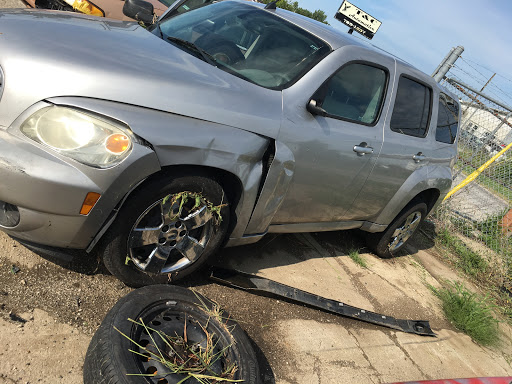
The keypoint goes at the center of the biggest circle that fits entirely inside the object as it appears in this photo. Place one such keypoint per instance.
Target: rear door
(408, 146)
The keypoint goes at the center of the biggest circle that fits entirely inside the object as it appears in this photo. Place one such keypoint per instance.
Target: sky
(422, 32)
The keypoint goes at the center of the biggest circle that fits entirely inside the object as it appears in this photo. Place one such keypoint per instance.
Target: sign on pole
(357, 19)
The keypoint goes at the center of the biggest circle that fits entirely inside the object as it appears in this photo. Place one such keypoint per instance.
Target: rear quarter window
(411, 114)
(447, 120)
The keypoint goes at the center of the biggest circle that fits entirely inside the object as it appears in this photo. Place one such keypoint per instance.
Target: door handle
(363, 149)
(419, 157)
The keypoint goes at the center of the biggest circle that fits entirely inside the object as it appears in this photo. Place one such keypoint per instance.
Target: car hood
(46, 54)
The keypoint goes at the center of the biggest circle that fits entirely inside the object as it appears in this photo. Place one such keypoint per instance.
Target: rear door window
(447, 119)
(411, 114)
(355, 93)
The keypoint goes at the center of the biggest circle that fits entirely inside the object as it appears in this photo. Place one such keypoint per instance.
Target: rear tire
(399, 232)
(145, 245)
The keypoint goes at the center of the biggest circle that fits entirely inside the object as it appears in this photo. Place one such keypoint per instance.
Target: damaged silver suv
(213, 127)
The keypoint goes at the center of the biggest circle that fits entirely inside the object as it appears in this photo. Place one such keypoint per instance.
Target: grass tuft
(469, 312)
(468, 260)
(356, 257)
(194, 360)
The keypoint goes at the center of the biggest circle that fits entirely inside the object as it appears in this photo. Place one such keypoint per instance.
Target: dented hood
(46, 54)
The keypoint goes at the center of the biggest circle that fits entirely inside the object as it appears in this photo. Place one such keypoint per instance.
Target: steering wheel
(220, 48)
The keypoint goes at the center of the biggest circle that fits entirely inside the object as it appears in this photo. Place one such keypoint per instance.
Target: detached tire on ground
(167, 309)
(159, 237)
(399, 232)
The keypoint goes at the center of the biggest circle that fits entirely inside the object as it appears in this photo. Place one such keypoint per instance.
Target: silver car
(155, 147)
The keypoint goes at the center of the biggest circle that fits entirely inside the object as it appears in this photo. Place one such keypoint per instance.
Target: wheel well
(429, 197)
(230, 183)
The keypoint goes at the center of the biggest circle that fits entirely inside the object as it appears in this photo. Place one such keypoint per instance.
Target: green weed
(469, 312)
(356, 257)
(193, 360)
(468, 260)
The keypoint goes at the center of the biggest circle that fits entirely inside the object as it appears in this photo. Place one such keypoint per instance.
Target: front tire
(166, 230)
(399, 232)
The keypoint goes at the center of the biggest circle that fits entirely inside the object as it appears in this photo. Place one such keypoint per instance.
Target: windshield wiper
(159, 30)
(187, 44)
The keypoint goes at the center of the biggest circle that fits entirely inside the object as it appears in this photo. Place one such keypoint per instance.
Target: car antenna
(271, 5)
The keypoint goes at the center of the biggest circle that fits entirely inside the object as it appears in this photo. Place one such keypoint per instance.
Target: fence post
(447, 64)
(442, 62)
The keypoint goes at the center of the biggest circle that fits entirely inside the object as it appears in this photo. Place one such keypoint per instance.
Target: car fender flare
(423, 179)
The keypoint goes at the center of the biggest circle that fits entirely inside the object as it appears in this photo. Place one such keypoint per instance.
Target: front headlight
(82, 137)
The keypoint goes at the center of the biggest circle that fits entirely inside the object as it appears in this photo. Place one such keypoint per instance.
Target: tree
(294, 7)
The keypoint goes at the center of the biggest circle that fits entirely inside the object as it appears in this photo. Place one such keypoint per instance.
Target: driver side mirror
(139, 10)
(314, 109)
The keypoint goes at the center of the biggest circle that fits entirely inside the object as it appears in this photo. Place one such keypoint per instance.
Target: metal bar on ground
(266, 287)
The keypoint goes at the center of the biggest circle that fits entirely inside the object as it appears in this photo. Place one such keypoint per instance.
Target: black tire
(380, 242)
(114, 249)
(165, 308)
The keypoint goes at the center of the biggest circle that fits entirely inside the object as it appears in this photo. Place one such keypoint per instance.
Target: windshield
(247, 42)
(186, 6)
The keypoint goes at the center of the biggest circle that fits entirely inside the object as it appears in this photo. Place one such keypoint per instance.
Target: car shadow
(74, 260)
(276, 250)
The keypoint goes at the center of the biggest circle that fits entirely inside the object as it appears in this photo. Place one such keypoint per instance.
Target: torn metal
(266, 287)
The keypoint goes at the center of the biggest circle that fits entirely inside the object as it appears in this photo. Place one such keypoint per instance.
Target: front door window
(355, 93)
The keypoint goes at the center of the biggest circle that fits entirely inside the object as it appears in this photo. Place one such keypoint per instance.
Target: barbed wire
(476, 70)
(457, 67)
(480, 65)
(490, 86)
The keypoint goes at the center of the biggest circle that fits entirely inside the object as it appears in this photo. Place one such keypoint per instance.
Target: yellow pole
(475, 174)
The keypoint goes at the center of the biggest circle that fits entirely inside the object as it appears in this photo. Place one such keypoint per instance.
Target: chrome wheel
(171, 234)
(404, 231)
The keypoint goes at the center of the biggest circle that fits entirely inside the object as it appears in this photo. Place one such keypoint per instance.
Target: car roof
(337, 39)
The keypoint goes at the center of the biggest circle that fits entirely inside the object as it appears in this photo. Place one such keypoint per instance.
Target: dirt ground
(51, 306)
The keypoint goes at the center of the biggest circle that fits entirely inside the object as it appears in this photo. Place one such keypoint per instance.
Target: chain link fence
(480, 213)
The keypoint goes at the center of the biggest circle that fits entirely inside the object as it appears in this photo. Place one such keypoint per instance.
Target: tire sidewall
(116, 347)
(379, 242)
(114, 244)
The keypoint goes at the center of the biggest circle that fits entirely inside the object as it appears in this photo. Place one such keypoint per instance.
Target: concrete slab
(41, 348)
(349, 352)
(453, 354)
(324, 353)
(12, 4)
